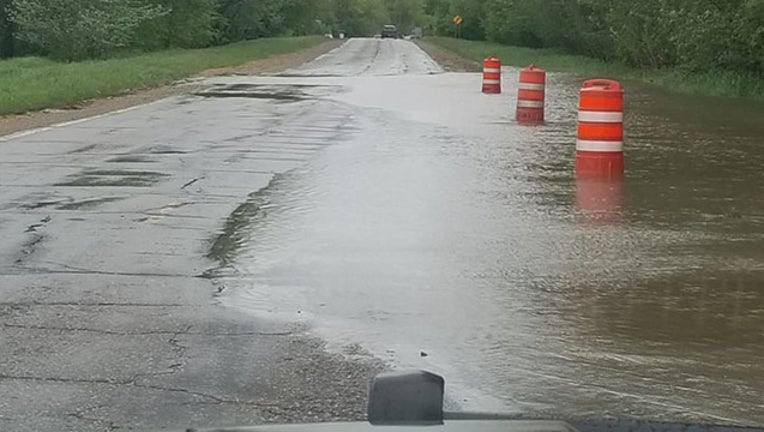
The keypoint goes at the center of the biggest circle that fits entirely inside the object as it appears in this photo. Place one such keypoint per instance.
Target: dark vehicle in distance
(390, 32)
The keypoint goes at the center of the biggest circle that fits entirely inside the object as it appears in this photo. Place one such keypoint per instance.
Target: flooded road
(439, 227)
(369, 199)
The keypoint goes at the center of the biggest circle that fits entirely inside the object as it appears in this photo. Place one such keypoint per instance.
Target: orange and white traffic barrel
(599, 148)
(492, 75)
(530, 95)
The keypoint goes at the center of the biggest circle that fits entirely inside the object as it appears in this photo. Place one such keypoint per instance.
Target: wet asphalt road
(171, 265)
(110, 318)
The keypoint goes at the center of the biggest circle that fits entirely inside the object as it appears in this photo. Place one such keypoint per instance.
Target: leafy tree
(187, 24)
(79, 29)
(406, 14)
(248, 19)
(7, 44)
(472, 13)
(695, 35)
(510, 22)
(750, 33)
(439, 14)
(359, 17)
(304, 17)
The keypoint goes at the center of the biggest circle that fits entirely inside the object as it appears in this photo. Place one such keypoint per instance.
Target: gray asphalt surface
(107, 288)
(244, 254)
(370, 58)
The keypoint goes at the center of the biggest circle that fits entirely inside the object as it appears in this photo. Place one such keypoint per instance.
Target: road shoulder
(448, 60)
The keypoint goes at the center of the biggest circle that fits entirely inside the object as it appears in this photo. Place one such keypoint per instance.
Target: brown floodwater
(437, 233)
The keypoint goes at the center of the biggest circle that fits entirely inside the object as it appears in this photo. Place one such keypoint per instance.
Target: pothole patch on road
(117, 178)
(306, 75)
(282, 92)
(159, 214)
(162, 149)
(69, 203)
(36, 238)
(256, 91)
(89, 204)
(84, 149)
(131, 159)
(43, 204)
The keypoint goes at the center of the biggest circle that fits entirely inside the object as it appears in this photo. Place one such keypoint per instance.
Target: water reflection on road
(436, 224)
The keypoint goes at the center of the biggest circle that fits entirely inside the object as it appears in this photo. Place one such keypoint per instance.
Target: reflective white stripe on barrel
(491, 70)
(600, 117)
(599, 146)
(530, 86)
(530, 104)
(490, 81)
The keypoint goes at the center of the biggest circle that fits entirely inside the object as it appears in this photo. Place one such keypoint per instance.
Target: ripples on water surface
(439, 225)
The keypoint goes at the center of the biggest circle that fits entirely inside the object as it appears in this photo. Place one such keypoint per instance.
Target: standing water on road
(437, 233)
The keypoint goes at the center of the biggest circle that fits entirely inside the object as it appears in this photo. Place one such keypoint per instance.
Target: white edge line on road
(22, 134)
(331, 51)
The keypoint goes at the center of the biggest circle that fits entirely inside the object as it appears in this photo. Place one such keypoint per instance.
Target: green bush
(79, 29)
(694, 35)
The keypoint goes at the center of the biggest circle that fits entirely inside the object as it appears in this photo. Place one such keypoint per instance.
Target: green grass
(34, 83)
(715, 83)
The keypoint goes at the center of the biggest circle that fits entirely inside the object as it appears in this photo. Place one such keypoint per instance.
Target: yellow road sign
(458, 20)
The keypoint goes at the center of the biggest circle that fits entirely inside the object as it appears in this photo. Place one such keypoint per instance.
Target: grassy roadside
(711, 84)
(34, 83)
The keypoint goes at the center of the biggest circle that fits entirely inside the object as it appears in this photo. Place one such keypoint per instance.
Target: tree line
(82, 29)
(695, 35)
(691, 34)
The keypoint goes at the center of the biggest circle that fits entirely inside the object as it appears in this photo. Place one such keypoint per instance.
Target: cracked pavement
(113, 230)
(174, 265)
